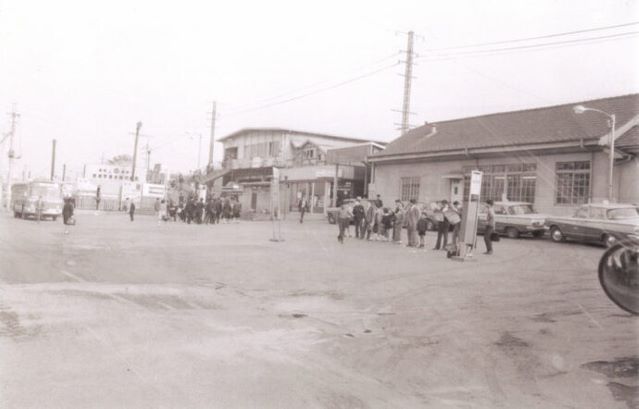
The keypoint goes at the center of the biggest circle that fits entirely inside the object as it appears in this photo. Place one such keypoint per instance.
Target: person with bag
(490, 227)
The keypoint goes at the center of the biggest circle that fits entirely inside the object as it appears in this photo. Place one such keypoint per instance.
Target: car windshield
(521, 209)
(623, 213)
(45, 190)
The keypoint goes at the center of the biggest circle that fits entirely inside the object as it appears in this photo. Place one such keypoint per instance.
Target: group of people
(198, 211)
(373, 221)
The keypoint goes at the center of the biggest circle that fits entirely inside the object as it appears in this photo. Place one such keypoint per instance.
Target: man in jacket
(369, 220)
(412, 217)
(442, 227)
(490, 227)
(358, 217)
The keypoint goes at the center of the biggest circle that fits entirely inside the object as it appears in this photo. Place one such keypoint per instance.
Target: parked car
(331, 212)
(513, 219)
(604, 223)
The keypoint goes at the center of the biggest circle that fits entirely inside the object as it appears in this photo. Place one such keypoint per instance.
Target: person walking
(343, 220)
(490, 227)
(398, 224)
(131, 210)
(98, 197)
(358, 218)
(412, 217)
(301, 206)
(67, 214)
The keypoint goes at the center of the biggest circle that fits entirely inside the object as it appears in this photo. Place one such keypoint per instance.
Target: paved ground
(136, 315)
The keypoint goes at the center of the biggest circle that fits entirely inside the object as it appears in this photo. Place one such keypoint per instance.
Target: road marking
(73, 276)
(588, 315)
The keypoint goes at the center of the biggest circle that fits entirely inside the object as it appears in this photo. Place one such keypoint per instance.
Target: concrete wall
(434, 186)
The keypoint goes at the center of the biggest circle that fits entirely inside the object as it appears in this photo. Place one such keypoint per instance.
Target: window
(500, 210)
(573, 183)
(409, 188)
(516, 181)
(274, 149)
(598, 213)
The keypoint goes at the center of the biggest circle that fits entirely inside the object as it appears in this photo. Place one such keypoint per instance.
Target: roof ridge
(539, 108)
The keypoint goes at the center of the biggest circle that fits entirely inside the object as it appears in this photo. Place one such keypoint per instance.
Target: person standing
(378, 202)
(131, 210)
(422, 226)
(456, 207)
(398, 224)
(156, 208)
(358, 218)
(218, 209)
(67, 214)
(490, 227)
(412, 217)
(98, 197)
(369, 219)
(301, 206)
(343, 220)
(442, 227)
(126, 205)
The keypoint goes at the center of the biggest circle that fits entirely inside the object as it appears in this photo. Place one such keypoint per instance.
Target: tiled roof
(629, 138)
(540, 125)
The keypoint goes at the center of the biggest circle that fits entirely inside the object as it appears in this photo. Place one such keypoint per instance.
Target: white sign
(475, 182)
(153, 190)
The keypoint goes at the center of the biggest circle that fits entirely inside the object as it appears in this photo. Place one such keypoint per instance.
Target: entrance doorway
(456, 190)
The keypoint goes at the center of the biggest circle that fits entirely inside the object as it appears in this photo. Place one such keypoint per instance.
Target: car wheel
(608, 240)
(556, 235)
(512, 233)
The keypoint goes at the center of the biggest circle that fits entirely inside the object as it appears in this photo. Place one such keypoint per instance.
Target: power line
(297, 97)
(531, 46)
(565, 33)
(309, 86)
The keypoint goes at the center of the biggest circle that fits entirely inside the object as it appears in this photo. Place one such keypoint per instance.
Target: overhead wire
(540, 37)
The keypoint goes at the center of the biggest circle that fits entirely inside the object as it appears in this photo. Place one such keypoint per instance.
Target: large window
(515, 181)
(410, 188)
(573, 183)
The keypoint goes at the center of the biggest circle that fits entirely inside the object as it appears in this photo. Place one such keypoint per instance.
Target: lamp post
(580, 109)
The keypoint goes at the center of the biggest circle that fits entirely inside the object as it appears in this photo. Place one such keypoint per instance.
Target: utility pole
(135, 148)
(212, 141)
(408, 76)
(14, 116)
(53, 160)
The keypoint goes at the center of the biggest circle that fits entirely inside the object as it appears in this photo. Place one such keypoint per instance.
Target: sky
(85, 72)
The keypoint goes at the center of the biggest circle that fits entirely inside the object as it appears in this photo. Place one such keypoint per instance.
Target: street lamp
(580, 109)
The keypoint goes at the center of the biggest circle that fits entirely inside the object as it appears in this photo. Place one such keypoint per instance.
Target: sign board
(329, 173)
(153, 190)
(470, 216)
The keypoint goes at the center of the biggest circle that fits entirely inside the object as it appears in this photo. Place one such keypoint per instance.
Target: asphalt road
(140, 315)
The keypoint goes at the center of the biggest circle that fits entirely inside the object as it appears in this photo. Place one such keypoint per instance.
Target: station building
(310, 166)
(549, 156)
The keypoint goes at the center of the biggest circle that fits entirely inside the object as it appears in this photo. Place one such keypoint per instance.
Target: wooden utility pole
(135, 148)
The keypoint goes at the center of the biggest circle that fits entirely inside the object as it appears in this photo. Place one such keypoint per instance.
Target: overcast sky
(84, 72)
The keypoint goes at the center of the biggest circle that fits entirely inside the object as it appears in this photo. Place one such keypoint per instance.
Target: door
(253, 201)
(456, 190)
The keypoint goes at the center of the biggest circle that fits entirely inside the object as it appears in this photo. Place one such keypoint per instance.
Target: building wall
(434, 184)
(627, 181)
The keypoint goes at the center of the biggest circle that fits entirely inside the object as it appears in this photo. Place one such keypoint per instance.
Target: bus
(25, 197)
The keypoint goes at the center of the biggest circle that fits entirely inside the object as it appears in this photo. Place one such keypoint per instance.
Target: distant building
(304, 159)
(549, 156)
